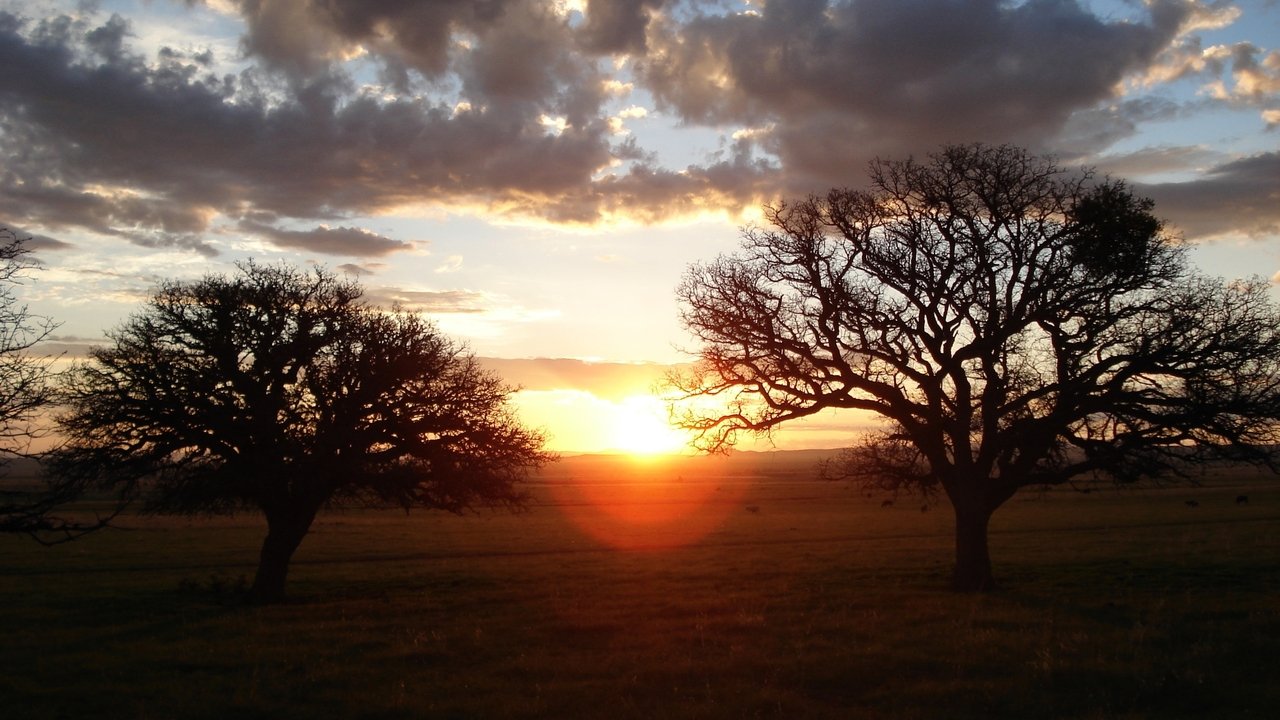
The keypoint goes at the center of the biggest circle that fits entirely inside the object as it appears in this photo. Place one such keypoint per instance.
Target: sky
(536, 175)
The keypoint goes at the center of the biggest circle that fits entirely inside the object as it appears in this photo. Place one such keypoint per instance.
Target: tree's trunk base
(273, 569)
(264, 597)
(973, 586)
(973, 559)
(283, 537)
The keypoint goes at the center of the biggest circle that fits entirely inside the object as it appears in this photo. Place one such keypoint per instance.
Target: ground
(711, 588)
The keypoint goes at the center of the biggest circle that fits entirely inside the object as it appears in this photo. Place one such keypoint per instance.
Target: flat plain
(698, 588)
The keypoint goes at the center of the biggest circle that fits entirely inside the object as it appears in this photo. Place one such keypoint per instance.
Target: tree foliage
(1012, 323)
(280, 391)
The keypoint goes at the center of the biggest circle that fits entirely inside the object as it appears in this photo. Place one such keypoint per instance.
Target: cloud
(348, 108)
(359, 270)
(356, 242)
(1240, 196)
(613, 381)
(513, 55)
(189, 144)
(1160, 159)
(911, 74)
(618, 26)
(1088, 132)
(451, 264)
(288, 37)
(650, 193)
(37, 243)
(429, 301)
(1185, 59)
(1255, 76)
(68, 346)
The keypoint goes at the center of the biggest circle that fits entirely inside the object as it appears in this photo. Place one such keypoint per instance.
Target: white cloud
(452, 264)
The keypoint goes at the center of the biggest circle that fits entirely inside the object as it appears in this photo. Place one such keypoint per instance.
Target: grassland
(728, 589)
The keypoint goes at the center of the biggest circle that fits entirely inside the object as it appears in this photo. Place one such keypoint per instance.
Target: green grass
(633, 591)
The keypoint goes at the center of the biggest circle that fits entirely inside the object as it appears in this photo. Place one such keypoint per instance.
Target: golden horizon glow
(627, 420)
(581, 421)
(641, 428)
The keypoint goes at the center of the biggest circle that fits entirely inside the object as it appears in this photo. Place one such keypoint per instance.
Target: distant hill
(18, 468)
(800, 463)
(21, 470)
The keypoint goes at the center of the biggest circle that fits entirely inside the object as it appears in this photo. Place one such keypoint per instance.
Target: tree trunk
(973, 561)
(284, 533)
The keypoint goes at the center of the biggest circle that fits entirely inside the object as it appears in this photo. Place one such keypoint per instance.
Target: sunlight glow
(554, 125)
(640, 427)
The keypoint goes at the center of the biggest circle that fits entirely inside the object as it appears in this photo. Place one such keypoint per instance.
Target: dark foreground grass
(742, 595)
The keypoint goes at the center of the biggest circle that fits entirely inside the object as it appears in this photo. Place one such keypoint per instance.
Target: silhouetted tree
(280, 391)
(27, 393)
(1013, 324)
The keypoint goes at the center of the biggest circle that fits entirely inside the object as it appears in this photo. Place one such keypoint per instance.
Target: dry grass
(653, 591)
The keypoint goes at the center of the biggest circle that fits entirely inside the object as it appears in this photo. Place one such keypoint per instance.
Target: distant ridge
(16, 467)
(767, 462)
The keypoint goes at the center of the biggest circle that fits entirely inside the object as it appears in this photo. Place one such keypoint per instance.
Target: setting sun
(640, 427)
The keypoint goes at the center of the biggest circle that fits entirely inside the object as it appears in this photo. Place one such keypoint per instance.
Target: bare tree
(281, 392)
(1013, 324)
(25, 389)
(27, 394)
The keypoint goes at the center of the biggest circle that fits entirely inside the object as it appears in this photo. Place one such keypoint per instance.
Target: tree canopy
(1012, 323)
(280, 391)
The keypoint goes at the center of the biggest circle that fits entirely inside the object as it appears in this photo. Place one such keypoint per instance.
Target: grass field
(718, 589)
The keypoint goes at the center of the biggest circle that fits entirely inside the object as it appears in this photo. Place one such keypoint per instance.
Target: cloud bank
(341, 109)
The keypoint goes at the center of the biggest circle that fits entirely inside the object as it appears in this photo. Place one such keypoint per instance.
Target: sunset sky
(536, 175)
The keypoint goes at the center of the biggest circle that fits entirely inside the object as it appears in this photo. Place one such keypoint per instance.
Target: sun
(640, 427)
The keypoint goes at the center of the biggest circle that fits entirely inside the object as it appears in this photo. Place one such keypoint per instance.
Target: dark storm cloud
(1239, 196)
(843, 82)
(190, 143)
(502, 104)
(144, 222)
(305, 38)
(513, 54)
(331, 241)
(618, 26)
